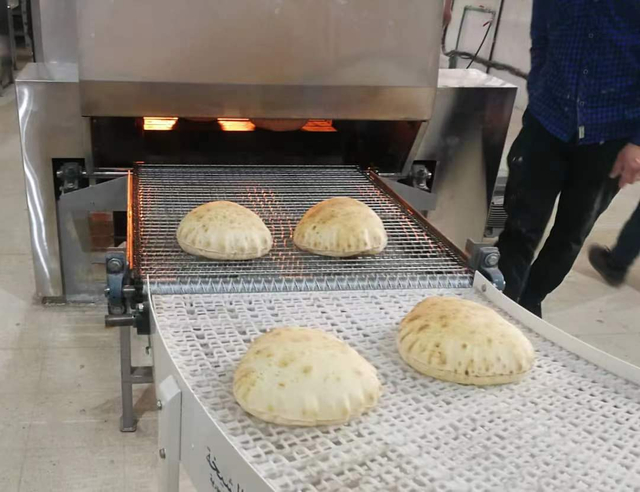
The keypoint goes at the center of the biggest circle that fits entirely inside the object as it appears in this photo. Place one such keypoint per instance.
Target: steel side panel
(50, 126)
(73, 217)
(169, 432)
(466, 136)
(209, 459)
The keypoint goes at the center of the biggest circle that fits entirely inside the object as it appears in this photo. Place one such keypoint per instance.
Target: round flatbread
(224, 231)
(304, 377)
(463, 342)
(278, 125)
(340, 227)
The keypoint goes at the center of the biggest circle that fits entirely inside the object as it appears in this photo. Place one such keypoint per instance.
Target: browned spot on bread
(426, 326)
(285, 362)
(442, 358)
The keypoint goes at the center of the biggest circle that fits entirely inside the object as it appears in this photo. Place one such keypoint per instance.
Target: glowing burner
(159, 124)
(319, 126)
(236, 125)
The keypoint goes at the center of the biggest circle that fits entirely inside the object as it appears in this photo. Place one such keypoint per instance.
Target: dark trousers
(541, 169)
(627, 249)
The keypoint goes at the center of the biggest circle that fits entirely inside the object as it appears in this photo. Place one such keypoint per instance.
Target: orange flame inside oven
(319, 126)
(159, 124)
(153, 123)
(236, 125)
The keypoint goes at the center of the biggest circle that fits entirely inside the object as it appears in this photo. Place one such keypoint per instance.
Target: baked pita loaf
(224, 231)
(340, 227)
(304, 377)
(463, 342)
(278, 125)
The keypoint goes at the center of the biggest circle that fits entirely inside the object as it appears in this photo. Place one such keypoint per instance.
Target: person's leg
(627, 248)
(585, 195)
(537, 167)
(613, 264)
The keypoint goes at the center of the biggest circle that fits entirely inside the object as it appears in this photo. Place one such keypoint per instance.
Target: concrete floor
(59, 373)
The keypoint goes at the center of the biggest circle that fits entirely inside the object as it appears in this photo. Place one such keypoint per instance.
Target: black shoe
(600, 259)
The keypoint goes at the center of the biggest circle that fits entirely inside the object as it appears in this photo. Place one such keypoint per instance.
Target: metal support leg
(128, 421)
(120, 293)
(129, 375)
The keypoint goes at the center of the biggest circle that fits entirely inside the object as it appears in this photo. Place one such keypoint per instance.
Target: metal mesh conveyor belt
(569, 425)
(414, 257)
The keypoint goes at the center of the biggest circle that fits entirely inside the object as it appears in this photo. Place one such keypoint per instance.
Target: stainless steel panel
(84, 275)
(274, 101)
(6, 51)
(50, 127)
(269, 58)
(466, 136)
(54, 31)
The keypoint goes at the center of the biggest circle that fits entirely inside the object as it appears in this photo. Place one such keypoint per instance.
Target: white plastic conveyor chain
(572, 424)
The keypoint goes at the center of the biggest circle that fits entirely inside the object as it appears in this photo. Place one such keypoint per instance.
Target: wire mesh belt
(569, 425)
(414, 257)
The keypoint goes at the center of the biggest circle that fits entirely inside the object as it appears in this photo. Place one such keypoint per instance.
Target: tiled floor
(59, 380)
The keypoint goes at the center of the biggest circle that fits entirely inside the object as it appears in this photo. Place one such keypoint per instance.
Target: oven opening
(122, 142)
(156, 123)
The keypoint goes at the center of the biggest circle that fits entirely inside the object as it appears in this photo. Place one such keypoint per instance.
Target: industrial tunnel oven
(77, 165)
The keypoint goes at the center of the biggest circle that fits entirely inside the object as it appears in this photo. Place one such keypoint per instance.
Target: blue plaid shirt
(584, 82)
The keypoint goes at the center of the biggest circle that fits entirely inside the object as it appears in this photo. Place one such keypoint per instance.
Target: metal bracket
(70, 174)
(421, 177)
(484, 259)
(169, 434)
(117, 278)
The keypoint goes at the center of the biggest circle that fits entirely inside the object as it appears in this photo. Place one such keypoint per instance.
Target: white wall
(513, 42)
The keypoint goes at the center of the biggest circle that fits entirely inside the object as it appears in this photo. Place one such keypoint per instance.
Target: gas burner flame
(159, 123)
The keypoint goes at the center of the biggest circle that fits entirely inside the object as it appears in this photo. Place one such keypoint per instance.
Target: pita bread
(224, 231)
(463, 342)
(278, 125)
(304, 377)
(340, 227)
